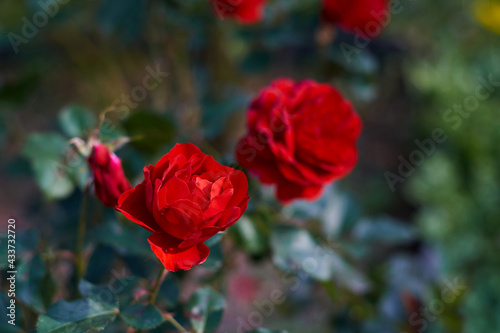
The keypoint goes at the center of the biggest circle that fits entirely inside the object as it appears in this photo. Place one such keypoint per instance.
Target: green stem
(152, 298)
(79, 262)
(176, 324)
(159, 280)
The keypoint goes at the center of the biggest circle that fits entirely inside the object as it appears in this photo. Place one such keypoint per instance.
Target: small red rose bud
(109, 179)
(243, 11)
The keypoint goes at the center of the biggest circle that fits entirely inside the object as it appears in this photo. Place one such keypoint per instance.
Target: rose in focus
(109, 179)
(185, 199)
(301, 137)
(365, 18)
(243, 11)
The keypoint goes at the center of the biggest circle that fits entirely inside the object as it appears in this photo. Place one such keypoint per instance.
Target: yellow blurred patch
(487, 12)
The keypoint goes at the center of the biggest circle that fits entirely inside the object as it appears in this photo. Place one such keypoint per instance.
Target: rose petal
(287, 192)
(132, 204)
(218, 203)
(174, 189)
(199, 237)
(186, 150)
(240, 184)
(165, 247)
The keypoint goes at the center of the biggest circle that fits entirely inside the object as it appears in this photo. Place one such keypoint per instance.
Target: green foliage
(45, 152)
(168, 295)
(216, 257)
(94, 311)
(249, 235)
(296, 250)
(35, 285)
(357, 243)
(206, 307)
(76, 121)
(141, 316)
(458, 186)
(124, 237)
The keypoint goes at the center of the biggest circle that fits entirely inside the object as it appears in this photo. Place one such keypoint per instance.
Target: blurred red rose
(366, 18)
(109, 179)
(244, 11)
(185, 199)
(301, 137)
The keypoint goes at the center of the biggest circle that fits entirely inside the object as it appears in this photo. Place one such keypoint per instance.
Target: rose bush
(185, 199)
(244, 11)
(362, 17)
(109, 179)
(301, 136)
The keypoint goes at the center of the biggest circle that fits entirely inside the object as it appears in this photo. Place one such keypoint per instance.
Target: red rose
(301, 137)
(244, 11)
(185, 199)
(109, 179)
(362, 17)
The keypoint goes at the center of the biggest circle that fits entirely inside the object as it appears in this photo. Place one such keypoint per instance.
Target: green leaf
(45, 152)
(124, 288)
(296, 250)
(30, 275)
(216, 257)
(206, 307)
(76, 121)
(8, 328)
(249, 236)
(141, 316)
(92, 312)
(126, 238)
(168, 295)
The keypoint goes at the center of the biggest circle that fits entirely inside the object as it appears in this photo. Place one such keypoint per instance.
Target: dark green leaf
(216, 256)
(92, 312)
(45, 152)
(126, 238)
(8, 328)
(124, 287)
(76, 121)
(141, 316)
(168, 294)
(206, 308)
(249, 236)
(30, 275)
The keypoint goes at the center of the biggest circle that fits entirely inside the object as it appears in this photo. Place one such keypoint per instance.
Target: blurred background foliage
(363, 258)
